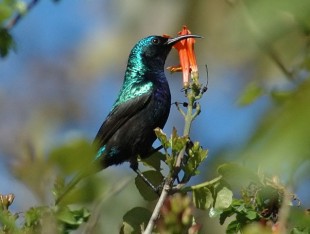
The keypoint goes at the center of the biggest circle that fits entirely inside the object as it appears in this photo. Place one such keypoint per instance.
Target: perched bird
(143, 104)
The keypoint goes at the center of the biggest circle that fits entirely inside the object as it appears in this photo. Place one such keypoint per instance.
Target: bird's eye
(155, 41)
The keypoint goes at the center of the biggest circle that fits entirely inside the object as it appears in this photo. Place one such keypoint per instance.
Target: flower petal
(188, 63)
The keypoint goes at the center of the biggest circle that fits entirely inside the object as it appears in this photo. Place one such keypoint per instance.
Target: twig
(204, 184)
(179, 109)
(165, 192)
(159, 204)
(276, 59)
(20, 15)
(189, 117)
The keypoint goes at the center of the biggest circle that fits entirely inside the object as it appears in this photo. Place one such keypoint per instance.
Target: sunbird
(142, 105)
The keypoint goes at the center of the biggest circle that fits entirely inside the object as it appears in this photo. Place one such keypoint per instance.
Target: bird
(142, 105)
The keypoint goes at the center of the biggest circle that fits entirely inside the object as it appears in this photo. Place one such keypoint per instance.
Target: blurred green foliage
(6, 42)
(7, 10)
(281, 142)
(176, 216)
(135, 220)
(250, 94)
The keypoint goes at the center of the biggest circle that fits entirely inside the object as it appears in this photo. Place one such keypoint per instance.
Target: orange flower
(187, 57)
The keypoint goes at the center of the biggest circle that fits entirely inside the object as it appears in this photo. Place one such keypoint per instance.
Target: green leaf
(195, 157)
(280, 96)
(251, 215)
(86, 191)
(268, 196)
(299, 218)
(162, 137)
(300, 230)
(59, 186)
(306, 63)
(65, 215)
(155, 177)
(281, 142)
(237, 176)
(135, 220)
(7, 222)
(33, 216)
(223, 199)
(170, 161)
(250, 94)
(21, 7)
(154, 160)
(213, 213)
(202, 198)
(233, 227)
(73, 157)
(225, 214)
(5, 12)
(127, 229)
(72, 219)
(177, 143)
(6, 42)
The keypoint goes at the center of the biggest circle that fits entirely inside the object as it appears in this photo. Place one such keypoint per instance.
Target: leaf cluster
(195, 154)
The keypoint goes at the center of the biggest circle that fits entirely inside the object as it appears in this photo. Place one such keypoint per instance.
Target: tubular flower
(188, 63)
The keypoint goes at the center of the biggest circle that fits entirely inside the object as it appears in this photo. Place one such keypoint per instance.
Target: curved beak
(172, 41)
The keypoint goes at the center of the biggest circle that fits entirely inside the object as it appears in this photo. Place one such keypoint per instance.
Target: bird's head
(152, 51)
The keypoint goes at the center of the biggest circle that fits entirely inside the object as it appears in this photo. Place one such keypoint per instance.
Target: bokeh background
(68, 67)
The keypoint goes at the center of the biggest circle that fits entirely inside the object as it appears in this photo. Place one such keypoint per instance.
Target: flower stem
(188, 117)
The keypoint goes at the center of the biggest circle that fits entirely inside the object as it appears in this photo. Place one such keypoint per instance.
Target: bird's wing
(120, 115)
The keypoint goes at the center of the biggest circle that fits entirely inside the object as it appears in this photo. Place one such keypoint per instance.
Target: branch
(204, 184)
(189, 117)
(276, 59)
(179, 109)
(160, 202)
(20, 15)
(165, 192)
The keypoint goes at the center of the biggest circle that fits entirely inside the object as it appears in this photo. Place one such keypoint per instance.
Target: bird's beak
(172, 41)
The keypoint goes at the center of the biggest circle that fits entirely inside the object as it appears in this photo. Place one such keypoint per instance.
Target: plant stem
(159, 204)
(189, 117)
(204, 184)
